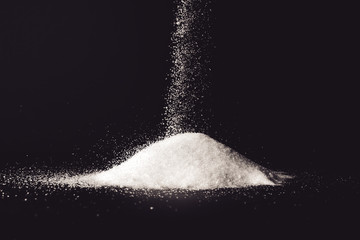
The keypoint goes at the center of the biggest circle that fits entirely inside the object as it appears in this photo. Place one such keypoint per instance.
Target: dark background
(84, 80)
(76, 74)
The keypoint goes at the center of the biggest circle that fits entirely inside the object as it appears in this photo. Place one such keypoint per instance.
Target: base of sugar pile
(192, 161)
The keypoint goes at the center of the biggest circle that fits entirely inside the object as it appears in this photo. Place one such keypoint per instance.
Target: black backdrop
(73, 74)
(82, 80)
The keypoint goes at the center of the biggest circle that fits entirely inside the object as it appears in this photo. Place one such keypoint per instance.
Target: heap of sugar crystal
(184, 161)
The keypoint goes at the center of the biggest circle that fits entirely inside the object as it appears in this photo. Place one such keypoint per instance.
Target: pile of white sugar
(184, 161)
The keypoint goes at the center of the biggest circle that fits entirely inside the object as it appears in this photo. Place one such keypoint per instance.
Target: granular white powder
(184, 161)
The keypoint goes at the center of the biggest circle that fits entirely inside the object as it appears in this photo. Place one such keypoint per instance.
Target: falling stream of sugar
(191, 42)
(183, 159)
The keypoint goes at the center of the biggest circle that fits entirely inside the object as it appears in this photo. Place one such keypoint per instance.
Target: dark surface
(310, 206)
(82, 80)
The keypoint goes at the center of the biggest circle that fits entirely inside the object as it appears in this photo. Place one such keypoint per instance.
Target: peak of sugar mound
(184, 161)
